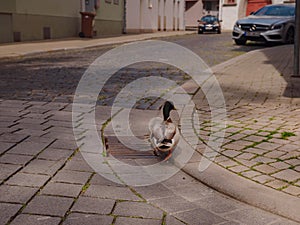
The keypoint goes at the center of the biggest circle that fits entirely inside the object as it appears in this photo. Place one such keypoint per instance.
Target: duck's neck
(166, 113)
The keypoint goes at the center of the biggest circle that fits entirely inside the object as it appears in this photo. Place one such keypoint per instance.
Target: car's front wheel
(240, 42)
(200, 31)
(290, 36)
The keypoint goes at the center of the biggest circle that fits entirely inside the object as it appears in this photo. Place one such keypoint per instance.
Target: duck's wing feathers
(157, 129)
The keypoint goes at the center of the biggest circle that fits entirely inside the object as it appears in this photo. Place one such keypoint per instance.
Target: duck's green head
(168, 107)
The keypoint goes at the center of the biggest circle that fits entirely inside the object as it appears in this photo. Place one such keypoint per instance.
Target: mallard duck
(164, 134)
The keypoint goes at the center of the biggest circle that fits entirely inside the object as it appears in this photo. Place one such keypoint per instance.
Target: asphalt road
(54, 76)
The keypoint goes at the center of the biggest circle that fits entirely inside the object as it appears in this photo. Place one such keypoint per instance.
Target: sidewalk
(44, 177)
(20, 49)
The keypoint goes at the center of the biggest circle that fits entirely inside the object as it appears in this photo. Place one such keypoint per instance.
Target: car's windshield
(209, 19)
(276, 11)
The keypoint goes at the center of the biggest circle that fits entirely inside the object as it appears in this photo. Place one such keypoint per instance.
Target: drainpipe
(297, 41)
(124, 18)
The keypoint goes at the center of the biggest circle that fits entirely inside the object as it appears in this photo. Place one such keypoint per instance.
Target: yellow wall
(7, 6)
(110, 11)
(66, 8)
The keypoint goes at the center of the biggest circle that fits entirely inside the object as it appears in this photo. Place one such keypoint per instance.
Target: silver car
(271, 24)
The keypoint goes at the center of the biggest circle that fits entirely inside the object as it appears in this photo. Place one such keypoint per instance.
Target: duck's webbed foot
(168, 156)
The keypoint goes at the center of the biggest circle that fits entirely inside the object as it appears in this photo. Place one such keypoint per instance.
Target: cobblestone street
(45, 179)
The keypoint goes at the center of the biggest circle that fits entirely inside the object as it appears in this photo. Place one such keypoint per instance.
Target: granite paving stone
(102, 191)
(293, 190)
(173, 204)
(4, 146)
(266, 169)
(263, 179)
(199, 215)
(93, 205)
(72, 177)
(137, 209)
(7, 211)
(29, 180)
(26, 219)
(251, 216)
(80, 219)
(28, 148)
(16, 194)
(48, 205)
(136, 221)
(6, 170)
(15, 159)
(171, 220)
(289, 175)
(55, 154)
(40, 166)
(62, 189)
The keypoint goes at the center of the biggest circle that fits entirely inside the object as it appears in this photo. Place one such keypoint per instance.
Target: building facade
(195, 9)
(154, 15)
(30, 20)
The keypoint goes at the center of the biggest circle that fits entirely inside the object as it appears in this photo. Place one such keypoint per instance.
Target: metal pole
(297, 41)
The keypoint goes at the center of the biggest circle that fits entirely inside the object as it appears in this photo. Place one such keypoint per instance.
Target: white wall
(193, 14)
(143, 15)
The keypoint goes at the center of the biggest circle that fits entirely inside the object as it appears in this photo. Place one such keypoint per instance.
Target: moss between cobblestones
(285, 135)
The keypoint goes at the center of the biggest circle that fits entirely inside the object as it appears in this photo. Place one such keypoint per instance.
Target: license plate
(208, 28)
(253, 34)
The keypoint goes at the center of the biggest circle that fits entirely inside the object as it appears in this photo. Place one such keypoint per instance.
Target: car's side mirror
(198, 21)
(220, 21)
(252, 13)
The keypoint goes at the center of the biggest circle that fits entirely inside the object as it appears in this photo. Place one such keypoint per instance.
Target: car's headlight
(276, 26)
(237, 25)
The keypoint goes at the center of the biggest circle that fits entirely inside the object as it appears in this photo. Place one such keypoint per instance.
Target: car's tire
(200, 32)
(219, 31)
(290, 36)
(240, 42)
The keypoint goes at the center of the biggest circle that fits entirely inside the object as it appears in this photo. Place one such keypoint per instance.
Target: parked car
(270, 24)
(209, 24)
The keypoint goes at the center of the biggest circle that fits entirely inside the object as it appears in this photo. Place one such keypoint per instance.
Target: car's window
(276, 11)
(209, 19)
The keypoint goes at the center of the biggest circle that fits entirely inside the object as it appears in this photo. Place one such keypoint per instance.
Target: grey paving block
(40, 166)
(4, 146)
(288, 174)
(136, 221)
(78, 165)
(252, 216)
(16, 194)
(48, 205)
(28, 148)
(15, 159)
(137, 209)
(219, 204)
(7, 211)
(62, 189)
(155, 191)
(193, 192)
(174, 204)
(93, 205)
(26, 219)
(55, 154)
(72, 177)
(101, 191)
(64, 144)
(6, 170)
(100, 180)
(29, 180)
(199, 216)
(171, 220)
(80, 219)
(13, 138)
